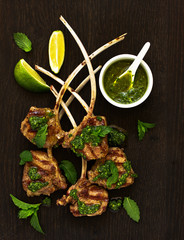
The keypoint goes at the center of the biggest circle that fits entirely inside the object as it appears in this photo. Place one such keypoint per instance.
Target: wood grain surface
(158, 159)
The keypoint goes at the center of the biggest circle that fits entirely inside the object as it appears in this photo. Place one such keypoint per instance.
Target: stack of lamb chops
(87, 197)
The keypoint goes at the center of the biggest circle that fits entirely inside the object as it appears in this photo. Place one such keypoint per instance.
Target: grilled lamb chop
(126, 174)
(89, 151)
(86, 199)
(42, 175)
(95, 197)
(39, 117)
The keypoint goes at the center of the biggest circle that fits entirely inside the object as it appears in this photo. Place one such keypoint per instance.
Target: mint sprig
(28, 210)
(69, 170)
(25, 156)
(132, 209)
(143, 127)
(22, 41)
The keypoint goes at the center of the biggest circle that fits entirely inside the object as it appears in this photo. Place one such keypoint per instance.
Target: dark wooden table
(158, 159)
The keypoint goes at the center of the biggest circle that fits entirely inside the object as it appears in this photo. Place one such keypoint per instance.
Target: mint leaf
(22, 41)
(143, 128)
(35, 223)
(104, 130)
(25, 156)
(131, 208)
(23, 205)
(24, 213)
(114, 177)
(41, 136)
(69, 170)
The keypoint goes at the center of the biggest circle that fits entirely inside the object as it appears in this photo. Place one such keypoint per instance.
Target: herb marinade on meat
(89, 140)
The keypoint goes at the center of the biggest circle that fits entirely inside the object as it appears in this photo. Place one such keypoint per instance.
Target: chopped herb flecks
(33, 173)
(35, 186)
(115, 205)
(83, 208)
(90, 134)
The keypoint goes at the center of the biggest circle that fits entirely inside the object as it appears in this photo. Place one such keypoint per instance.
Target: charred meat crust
(49, 171)
(89, 151)
(55, 133)
(118, 157)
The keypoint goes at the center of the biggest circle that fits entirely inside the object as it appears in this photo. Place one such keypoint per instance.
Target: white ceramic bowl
(126, 57)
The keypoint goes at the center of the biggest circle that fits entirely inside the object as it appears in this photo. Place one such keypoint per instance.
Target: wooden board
(158, 159)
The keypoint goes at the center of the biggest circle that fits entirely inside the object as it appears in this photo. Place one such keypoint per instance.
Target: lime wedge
(56, 50)
(28, 78)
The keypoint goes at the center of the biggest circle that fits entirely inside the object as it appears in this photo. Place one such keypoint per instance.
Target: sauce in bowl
(122, 90)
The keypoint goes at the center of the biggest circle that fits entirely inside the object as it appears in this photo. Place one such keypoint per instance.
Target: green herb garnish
(37, 122)
(90, 134)
(116, 138)
(46, 202)
(127, 166)
(82, 207)
(131, 208)
(41, 136)
(69, 170)
(50, 114)
(115, 205)
(33, 173)
(143, 128)
(25, 156)
(73, 193)
(134, 175)
(122, 179)
(114, 175)
(108, 171)
(40, 125)
(22, 41)
(99, 118)
(35, 186)
(35, 222)
(28, 210)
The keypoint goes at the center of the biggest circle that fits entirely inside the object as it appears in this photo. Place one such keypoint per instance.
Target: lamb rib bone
(78, 89)
(70, 99)
(73, 74)
(64, 106)
(78, 97)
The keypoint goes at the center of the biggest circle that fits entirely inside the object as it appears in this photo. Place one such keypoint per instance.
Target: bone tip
(62, 19)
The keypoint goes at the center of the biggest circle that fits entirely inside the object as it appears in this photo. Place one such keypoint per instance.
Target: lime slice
(28, 78)
(56, 51)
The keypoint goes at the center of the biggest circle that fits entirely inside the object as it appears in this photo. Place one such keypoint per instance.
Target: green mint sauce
(33, 173)
(90, 134)
(104, 170)
(82, 207)
(119, 89)
(115, 205)
(122, 179)
(35, 186)
(37, 122)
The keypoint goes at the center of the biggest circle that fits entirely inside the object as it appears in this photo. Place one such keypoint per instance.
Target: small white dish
(126, 57)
